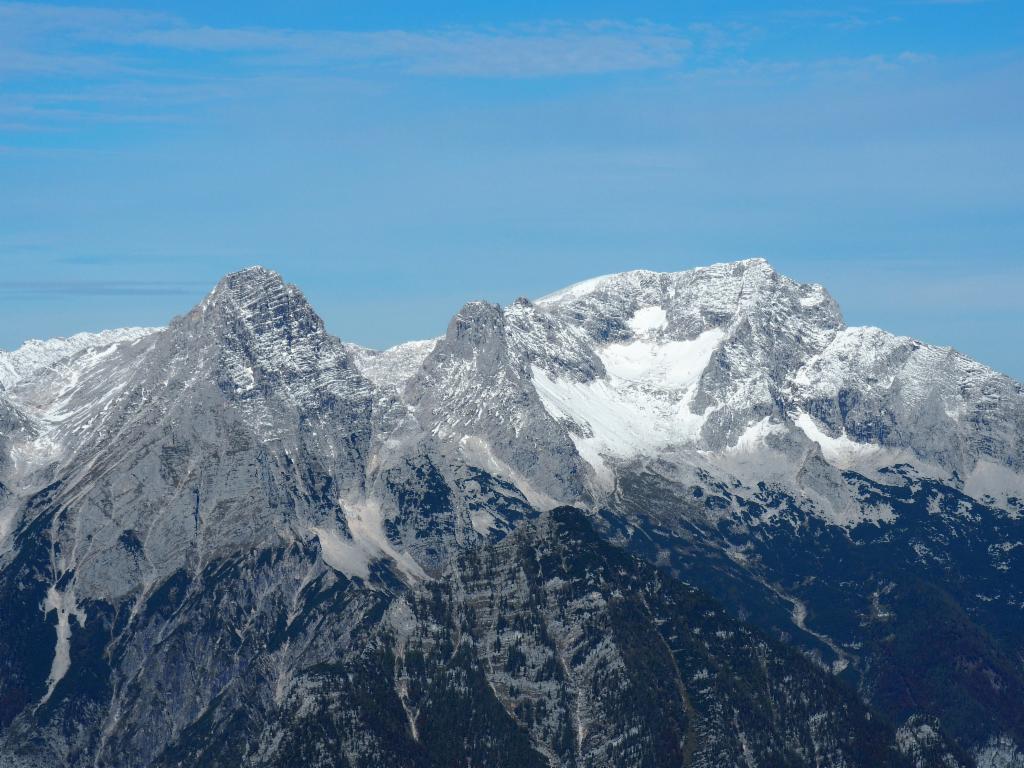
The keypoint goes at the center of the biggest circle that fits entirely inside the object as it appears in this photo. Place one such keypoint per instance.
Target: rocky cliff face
(239, 540)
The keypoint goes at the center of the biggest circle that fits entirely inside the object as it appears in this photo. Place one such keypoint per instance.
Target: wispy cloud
(74, 68)
(69, 68)
(58, 289)
(836, 18)
(550, 49)
(538, 50)
(780, 70)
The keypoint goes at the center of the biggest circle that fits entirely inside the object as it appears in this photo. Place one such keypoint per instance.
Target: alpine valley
(653, 519)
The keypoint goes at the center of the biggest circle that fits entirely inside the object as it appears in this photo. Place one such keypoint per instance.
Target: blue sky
(398, 159)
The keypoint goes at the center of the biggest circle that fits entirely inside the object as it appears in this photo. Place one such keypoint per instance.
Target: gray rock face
(243, 491)
(475, 391)
(936, 404)
(549, 648)
(240, 422)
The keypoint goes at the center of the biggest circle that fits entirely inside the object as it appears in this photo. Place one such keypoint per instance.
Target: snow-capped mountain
(242, 477)
(733, 367)
(739, 364)
(36, 355)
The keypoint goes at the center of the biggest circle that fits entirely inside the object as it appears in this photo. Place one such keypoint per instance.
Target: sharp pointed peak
(260, 298)
(249, 277)
(254, 270)
(251, 284)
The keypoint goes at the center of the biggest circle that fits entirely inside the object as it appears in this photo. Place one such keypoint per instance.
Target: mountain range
(688, 519)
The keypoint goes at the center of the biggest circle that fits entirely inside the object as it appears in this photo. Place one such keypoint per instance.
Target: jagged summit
(254, 272)
(259, 300)
(253, 284)
(249, 279)
(343, 543)
(717, 361)
(612, 369)
(474, 323)
(694, 300)
(641, 277)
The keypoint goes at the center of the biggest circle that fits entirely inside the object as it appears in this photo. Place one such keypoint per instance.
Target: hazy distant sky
(397, 159)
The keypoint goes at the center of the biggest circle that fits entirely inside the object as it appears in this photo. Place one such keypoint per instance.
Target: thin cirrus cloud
(39, 289)
(551, 49)
(536, 50)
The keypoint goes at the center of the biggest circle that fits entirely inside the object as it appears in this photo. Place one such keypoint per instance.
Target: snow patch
(998, 482)
(393, 366)
(672, 365)
(751, 459)
(647, 320)
(642, 406)
(65, 605)
(840, 451)
(343, 554)
(754, 437)
(483, 521)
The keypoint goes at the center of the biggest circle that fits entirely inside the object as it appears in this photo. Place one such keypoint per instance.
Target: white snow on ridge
(574, 291)
(36, 354)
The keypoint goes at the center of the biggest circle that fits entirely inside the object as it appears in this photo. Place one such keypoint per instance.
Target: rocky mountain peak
(251, 281)
(476, 321)
(682, 305)
(258, 301)
(256, 333)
